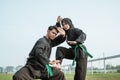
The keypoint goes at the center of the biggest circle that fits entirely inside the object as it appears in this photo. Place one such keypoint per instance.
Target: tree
(109, 66)
(1, 69)
(118, 68)
(9, 69)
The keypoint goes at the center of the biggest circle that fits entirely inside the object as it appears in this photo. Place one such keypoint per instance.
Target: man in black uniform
(38, 65)
(75, 38)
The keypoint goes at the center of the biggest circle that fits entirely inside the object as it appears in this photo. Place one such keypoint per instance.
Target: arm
(40, 53)
(61, 35)
(60, 38)
(81, 36)
(58, 23)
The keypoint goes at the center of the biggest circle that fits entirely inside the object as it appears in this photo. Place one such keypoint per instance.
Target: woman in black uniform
(74, 37)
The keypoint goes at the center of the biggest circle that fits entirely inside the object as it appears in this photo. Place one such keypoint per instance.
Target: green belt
(50, 73)
(84, 51)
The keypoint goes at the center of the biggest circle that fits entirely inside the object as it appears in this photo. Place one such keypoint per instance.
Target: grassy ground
(95, 76)
(98, 76)
(5, 76)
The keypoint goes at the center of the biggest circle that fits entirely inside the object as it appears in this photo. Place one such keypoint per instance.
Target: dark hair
(53, 27)
(67, 21)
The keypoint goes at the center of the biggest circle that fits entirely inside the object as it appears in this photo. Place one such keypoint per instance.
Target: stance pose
(75, 38)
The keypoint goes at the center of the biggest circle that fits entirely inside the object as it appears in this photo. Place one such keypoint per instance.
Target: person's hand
(72, 42)
(55, 64)
(61, 31)
(59, 18)
(56, 61)
(52, 62)
(58, 66)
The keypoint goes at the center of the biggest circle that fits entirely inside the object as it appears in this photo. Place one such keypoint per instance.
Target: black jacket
(74, 34)
(40, 54)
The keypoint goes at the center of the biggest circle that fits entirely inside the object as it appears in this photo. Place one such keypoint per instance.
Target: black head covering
(67, 21)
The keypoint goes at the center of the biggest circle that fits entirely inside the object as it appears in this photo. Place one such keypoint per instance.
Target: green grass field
(98, 76)
(95, 76)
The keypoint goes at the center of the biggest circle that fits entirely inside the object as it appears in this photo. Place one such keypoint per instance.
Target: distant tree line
(12, 69)
(9, 69)
(109, 68)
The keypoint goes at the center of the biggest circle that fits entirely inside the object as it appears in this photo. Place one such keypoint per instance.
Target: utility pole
(104, 63)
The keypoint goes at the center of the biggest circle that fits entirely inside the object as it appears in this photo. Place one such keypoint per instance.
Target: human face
(65, 26)
(52, 34)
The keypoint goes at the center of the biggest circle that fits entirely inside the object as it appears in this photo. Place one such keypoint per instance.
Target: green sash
(50, 73)
(84, 51)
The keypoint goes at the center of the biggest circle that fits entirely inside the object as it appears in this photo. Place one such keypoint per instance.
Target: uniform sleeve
(40, 54)
(58, 24)
(81, 36)
(58, 40)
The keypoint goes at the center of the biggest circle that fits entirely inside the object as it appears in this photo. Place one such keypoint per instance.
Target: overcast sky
(23, 22)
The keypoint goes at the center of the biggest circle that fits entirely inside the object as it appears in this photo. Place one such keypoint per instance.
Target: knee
(16, 77)
(62, 76)
(61, 73)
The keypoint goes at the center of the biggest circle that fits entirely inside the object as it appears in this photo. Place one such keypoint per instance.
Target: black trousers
(81, 60)
(28, 73)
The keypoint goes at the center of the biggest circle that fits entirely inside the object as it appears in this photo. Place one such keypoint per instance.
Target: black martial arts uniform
(74, 34)
(39, 56)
